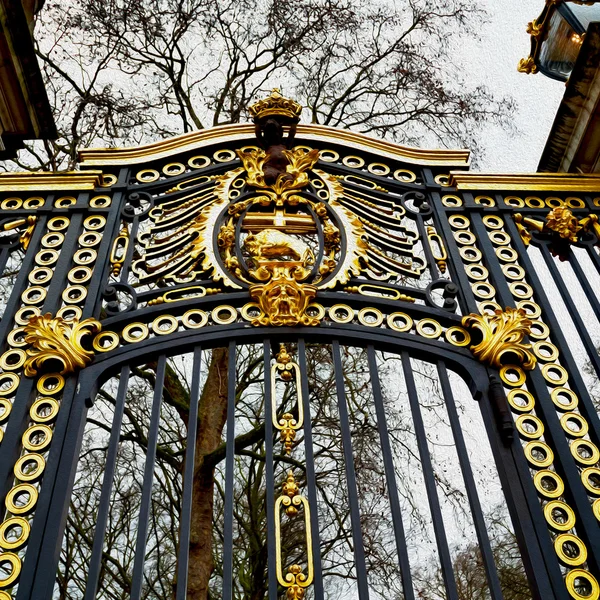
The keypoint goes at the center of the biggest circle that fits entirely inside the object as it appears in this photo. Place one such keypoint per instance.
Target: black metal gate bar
(183, 555)
(590, 294)
(470, 485)
(269, 474)
(95, 564)
(390, 478)
(137, 577)
(229, 468)
(359, 551)
(429, 477)
(311, 480)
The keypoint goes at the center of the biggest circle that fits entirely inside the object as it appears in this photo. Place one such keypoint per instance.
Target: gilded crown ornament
(55, 340)
(275, 105)
(502, 338)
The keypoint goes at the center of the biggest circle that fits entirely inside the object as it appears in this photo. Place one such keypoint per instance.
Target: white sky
(493, 61)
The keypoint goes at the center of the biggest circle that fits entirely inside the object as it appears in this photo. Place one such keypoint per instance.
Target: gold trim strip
(38, 181)
(525, 182)
(242, 131)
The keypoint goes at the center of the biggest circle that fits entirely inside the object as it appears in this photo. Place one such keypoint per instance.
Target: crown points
(275, 106)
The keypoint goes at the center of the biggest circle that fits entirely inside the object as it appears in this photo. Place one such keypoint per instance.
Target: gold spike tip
(276, 105)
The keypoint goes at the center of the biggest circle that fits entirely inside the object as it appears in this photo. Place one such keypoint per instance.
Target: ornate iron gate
(379, 328)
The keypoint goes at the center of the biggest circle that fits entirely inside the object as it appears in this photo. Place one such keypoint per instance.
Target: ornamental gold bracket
(26, 234)
(560, 222)
(502, 337)
(118, 252)
(54, 340)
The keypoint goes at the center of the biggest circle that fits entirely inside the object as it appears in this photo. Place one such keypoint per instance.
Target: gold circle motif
(488, 307)
(548, 483)
(15, 572)
(506, 373)
(29, 475)
(499, 238)
(532, 310)
(590, 478)
(506, 254)
(58, 224)
(224, 156)
(5, 408)
(329, 155)
(570, 549)
(477, 272)
(378, 169)
(555, 374)
(533, 448)
(575, 203)
(305, 149)
(539, 330)
(459, 222)
(532, 421)
(53, 240)
(34, 202)
(108, 179)
(485, 201)
(406, 176)
(69, 313)
(135, 332)
(199, 162)
(250, 311)
(74, 294)
(9, 382)
(65, 202)
(323, 194)
(513, 272)
(173, 169)
(105, 341)
(40, 275)
(15, 493)
(565, 513)
(572, 586)
(315, 310)
(46, 257)
(534, 202)
(44, 410)
(170, 320)
(514, 201)
(79, 275)
(89, 239)
(85, 256)
(424, 326)
(16, 338)
(545, 351)
(50, 384)
(406, 324)
(346, 316)
(188, 317)
(443, 180)
(34, 295)
(554, 202)
(579, 446)
(483, 290)
(520, 400)
(561, 392)
(100, 201)
(354, 162)
(147, 175)
(457, 336)
(470, 254)
(576, 419)
(11, 203)
(230, 314)
(94, 223)
(14, 543)
(464, 237)
(370, 317)
(13, 359)
(31, 433)
(493, 222)
(451, 201)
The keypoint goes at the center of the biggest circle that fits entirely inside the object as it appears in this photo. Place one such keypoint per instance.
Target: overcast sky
(493, 61)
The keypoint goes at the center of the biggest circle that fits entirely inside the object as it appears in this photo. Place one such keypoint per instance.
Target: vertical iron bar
(359, 551)
(470, 486)
(588, 290)
(229, 466)
(183, 557)
(390, 477)
(137, 576)
(311, 480)
(429, 476)
(269, 474)
(91, 587)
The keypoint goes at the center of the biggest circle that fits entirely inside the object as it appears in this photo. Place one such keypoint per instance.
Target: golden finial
(276, 105)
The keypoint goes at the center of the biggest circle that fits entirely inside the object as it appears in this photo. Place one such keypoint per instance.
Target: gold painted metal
(12, 359)
(512, 376)
(562, 221)
(18, 542)
(230, 311)
(425, 325)
(189, 322)
(561, 392)
(69, 313)
(379, 291)
(5, 409)
(275, 105)
(50, 384)
(170, 320)
(452, 201)
(585, 452)
(530, 450)
(527, 401)
(590, 478)
(528, 182)
(43, 181)
(548, 483)
(370, 317)
(570, 549)
(100, 201)
(15, 563)
(555, 374)
(9, 382)
(17, 492)
(341, 313)
(31, 433)
(54, 339)
(572, 418)
(537, 427)
(565, 513)
(571, 583)
(35, 202)
(16, 338)
(65, 202)
(457, 336)
(147, 175)
(135, 332)
(118, 252)
(438, 250)
(502, 336)
(28, 475)
(406, 322)
(11, 203)
(74, 294)
(34, 295)
(44, 410)
(26, 233)
(105, 341)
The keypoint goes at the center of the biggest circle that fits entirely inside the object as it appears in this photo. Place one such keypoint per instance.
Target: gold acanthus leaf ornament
(53, 339)
(562, 221)
(502, 336)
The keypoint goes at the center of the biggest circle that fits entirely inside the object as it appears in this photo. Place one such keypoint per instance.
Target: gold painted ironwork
(562, 222)
(25, 237)
(119, 251)
(528, 182)
(502, 336)
(438, 250)
(41, 181)
(55, 339)
(275, 105)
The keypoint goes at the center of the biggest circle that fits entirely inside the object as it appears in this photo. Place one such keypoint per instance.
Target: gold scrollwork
(26, 233)
(502, 336)
(119, 251)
